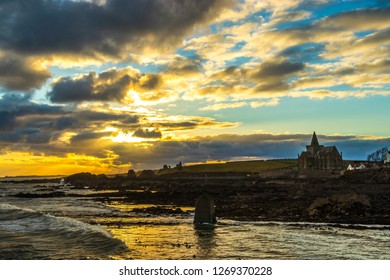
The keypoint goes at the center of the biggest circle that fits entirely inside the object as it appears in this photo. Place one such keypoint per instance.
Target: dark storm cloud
(271, 75)
(21, 104)
(309, 52)
(99, 116)
(24, 135)
(7, 121)
(81, 121)
(64, 123)
(14, 106)
(12, 102)
(147, 133)
(9, 137)
(151, 82)
(87, 28)
(38, 138)
(110, 85)
(86, 119)
(271, 70)
(277, 69)
(86, 136)
(277, 86)
(17, 73)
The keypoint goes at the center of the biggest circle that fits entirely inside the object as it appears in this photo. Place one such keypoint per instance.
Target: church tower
(314, 146)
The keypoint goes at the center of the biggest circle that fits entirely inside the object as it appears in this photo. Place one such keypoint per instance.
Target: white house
(356, 166)
(387, 158)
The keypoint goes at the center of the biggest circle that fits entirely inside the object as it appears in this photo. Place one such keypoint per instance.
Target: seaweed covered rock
(85, 179)
(340, 205)
(370, 175)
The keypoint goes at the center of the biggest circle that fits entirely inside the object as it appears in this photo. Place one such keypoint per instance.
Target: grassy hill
(238, 166)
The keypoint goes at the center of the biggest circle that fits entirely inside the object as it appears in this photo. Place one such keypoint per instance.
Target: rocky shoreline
(355, 197)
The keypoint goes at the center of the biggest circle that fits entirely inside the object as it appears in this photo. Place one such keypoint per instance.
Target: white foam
(28, 220)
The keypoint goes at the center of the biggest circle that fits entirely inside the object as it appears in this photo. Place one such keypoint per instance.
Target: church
(318, 157)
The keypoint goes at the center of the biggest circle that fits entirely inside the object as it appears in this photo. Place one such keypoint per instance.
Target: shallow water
(178, 239)
(76, 228)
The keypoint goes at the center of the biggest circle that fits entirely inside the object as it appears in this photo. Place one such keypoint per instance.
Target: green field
(238, 166)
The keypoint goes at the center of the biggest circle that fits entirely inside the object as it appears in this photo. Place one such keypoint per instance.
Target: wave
(27, 234)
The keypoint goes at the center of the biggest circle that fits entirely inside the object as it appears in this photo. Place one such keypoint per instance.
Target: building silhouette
(319, 157)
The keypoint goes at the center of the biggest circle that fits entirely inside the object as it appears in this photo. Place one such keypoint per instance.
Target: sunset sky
(110, 85)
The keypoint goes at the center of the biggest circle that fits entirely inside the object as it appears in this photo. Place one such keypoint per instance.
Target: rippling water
(75, 228)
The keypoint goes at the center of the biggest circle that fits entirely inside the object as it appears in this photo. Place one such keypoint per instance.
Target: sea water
(81, 228)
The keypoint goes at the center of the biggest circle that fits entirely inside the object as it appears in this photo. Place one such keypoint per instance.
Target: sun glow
(122, 137)
(25, 164)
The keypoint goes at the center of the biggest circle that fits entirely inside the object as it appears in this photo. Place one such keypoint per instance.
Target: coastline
(358, 197)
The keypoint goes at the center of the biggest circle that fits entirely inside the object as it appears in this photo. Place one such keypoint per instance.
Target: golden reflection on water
(175, 237)
(130, 207)
(178, 239)
(184, 241)
(164, 241)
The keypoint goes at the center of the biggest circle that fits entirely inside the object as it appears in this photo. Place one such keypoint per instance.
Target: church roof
(314, 140)
(328, 150)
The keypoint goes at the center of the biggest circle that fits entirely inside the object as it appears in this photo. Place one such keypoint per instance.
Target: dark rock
(371, 175)
(86, 179)
(131, 174)
(340, 205)
(147, 174)
(40, 195)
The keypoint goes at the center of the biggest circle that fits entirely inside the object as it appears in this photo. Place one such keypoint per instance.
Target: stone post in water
(205, 210)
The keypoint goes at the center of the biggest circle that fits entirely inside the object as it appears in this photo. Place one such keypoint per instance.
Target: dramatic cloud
(25, 122)
(357, 20)
(110, 85)
(7, 121)
(35, 35)
(262, 80)
(18, 73)
(147, 133)
(64, 123)
(142, 83)
(21, 104)
(276, 69)
(92, 29)
(88, 137)
(184, 67)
